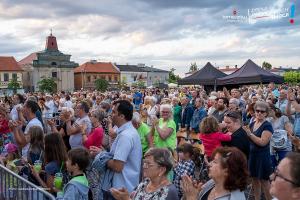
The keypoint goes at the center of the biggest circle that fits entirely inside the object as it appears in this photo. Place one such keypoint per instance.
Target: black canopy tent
(250, 73)
(206, 76)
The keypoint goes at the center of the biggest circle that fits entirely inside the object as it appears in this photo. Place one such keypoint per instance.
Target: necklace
(150, 188)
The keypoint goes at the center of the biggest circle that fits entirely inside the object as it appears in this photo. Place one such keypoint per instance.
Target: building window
(54, 74)
(14, 76)
(88, 79)
(53, 63)
(116, 78)
(95, 77)
(109, 78)
(6, 77)
(102, 77)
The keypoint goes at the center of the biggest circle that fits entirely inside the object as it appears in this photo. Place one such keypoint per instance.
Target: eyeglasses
(260, 111)
(147, 165)
(276, 173)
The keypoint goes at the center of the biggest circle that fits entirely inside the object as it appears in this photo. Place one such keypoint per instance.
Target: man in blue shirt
(199, 114)
(126, 148)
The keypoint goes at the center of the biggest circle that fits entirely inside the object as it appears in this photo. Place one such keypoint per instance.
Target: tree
(266, 66)
(47, 85)
(193, 67)
(291, 77)
(13, 85)
(101, 84)
(172, 77)
(140, 84)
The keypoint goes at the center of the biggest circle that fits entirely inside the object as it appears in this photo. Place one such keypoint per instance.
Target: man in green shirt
(143, 130)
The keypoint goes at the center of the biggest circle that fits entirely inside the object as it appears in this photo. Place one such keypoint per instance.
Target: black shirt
(240, 140)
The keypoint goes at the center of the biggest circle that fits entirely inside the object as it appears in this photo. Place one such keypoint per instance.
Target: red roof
(28, 59)
(9, 63)
(97, 67)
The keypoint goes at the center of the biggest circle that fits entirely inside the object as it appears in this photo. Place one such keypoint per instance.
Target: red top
(213, 140)
(95, 138)
(4, 126)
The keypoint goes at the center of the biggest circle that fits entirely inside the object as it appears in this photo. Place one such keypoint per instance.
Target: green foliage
(172, 77)
(47, 85)
(193, 67)
(101, 85)
(266, 66)
(139, 84)
(13, 85)
(292, 77)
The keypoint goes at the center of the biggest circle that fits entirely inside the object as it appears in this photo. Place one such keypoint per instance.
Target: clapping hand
(120, 194)
(190, 188)
(291, 95)
(95, 150)
(51, 122)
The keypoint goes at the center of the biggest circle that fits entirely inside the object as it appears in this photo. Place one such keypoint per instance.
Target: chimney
(235, 66)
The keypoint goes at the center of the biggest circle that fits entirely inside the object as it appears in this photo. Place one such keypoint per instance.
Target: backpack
(279, 139)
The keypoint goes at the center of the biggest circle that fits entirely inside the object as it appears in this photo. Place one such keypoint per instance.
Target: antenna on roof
(50, 31)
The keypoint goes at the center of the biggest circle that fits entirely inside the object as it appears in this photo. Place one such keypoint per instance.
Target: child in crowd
(77, 188)
(186, 164)
(210, 135)
(11, 161)
(36, 148)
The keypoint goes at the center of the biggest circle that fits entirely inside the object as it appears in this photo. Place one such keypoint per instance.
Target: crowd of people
(181, 143)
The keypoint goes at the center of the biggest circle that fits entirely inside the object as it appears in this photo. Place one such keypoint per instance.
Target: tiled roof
(9, 63)
(152, 69)
(28, 59)
(130, 68)
(136, 68)
(97, 67)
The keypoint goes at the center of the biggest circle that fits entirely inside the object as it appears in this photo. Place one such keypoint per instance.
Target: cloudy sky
(162, 33)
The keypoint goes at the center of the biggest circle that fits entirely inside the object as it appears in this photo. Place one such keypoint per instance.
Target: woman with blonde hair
(164, 129)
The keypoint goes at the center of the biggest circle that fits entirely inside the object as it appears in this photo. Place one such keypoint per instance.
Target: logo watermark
(263, 13)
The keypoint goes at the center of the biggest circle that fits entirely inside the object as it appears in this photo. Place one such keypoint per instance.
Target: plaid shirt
(183, 168)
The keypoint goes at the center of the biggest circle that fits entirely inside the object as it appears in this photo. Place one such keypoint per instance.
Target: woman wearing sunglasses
(285, 181)
(260, 132)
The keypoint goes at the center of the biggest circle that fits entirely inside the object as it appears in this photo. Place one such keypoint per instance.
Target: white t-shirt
(32, 122)
(51, 106)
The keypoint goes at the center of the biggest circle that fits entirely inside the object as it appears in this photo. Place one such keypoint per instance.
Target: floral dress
(168, 192)
(5, 134)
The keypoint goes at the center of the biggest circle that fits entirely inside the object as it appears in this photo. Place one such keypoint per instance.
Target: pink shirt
(213, 140)
(95, 138)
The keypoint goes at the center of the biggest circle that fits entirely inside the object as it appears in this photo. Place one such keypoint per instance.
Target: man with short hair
(143, 129)
(221, 109)
(75, 131)
(22, 138)
(126, 148)
(198, 115)
(282, 101)
(187, 112)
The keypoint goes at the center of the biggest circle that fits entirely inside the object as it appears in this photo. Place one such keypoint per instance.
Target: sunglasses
(232, 115)
(260, 111)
